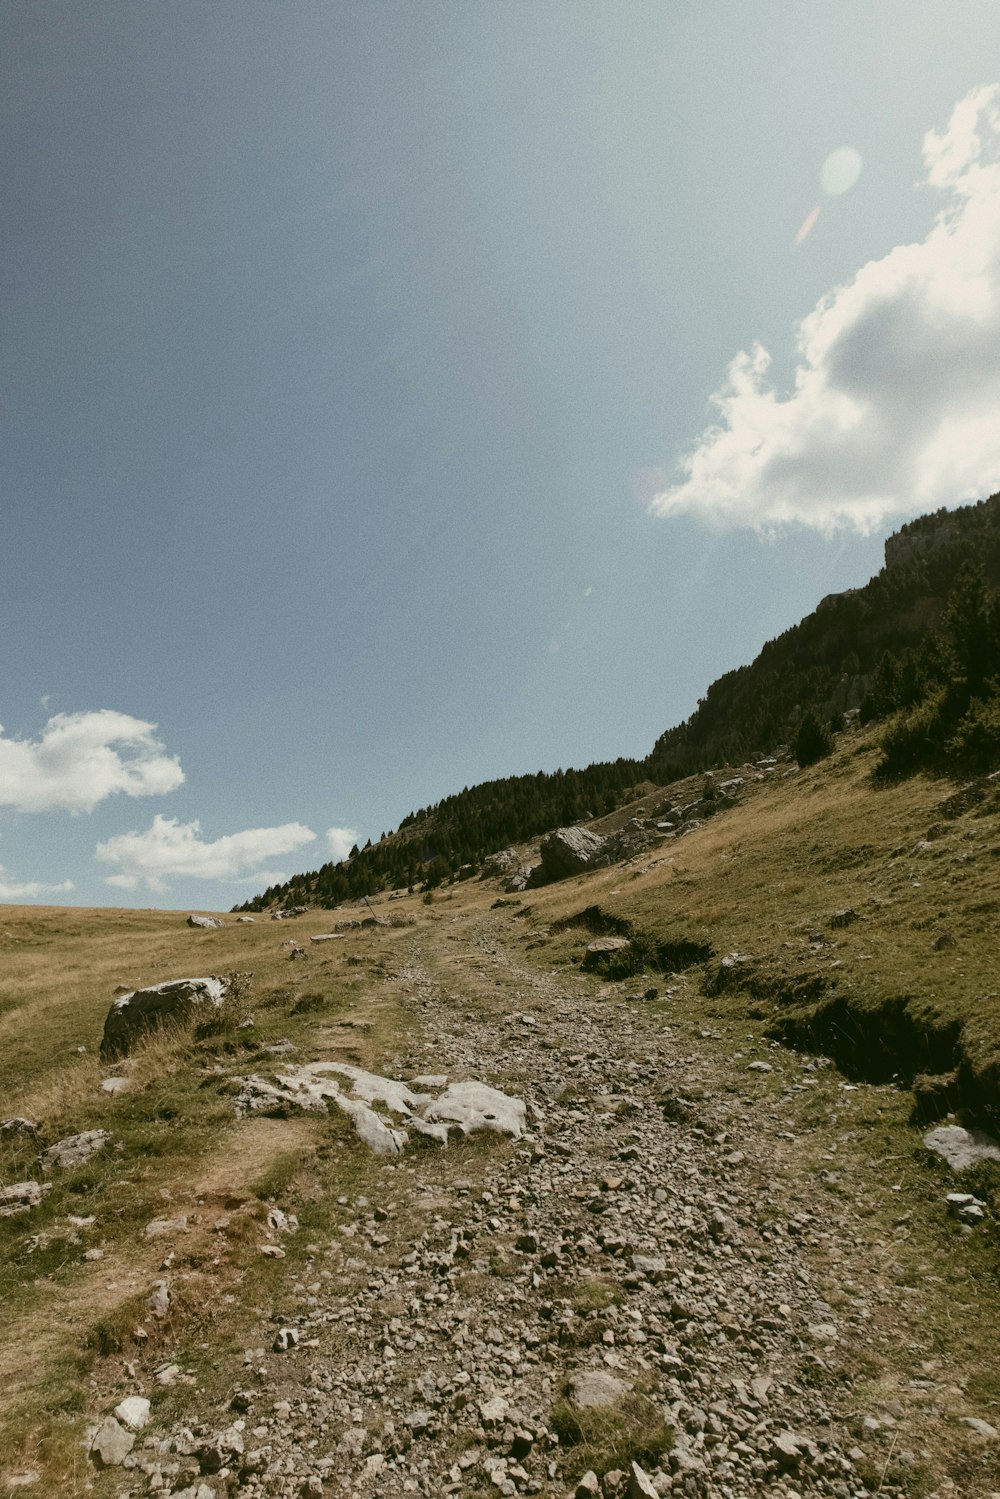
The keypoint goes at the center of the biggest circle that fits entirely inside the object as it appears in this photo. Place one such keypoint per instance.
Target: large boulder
(570, 851)
(207, 923)
(170, 1003)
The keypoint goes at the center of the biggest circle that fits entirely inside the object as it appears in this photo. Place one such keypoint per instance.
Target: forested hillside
(433, 844)
(919, 643)
(872, 648)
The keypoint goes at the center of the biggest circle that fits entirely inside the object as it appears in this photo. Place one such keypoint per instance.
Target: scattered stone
(287, 1337)
(16, 1126)
(133, 1412)
(114, 1084)
(640, 1484)
(160, 1226)
(963, 1205)
(74, 1150)
(844, 917)
(980, 1427)
(112, 1443)
(595, 1387)
(159, 1299)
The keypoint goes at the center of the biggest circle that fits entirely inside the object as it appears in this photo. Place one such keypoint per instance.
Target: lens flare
(808, 224)
(840, 171)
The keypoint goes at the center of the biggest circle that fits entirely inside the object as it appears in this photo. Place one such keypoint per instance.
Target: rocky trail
(641, 1286)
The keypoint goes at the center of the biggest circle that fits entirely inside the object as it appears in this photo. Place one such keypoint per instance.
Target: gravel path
(639, 1231)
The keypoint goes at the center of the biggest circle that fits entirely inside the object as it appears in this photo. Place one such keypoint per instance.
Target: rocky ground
(642, 1232)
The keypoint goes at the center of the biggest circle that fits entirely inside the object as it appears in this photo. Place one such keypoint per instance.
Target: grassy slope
(175, 1148)
(911, 984)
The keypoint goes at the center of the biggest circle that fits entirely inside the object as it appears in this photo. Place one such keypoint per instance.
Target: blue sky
(398, 396)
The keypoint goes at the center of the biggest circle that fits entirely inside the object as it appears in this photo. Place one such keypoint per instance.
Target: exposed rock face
(960, 1147)
(467, 1106)
(204, 921)
(570, 851)
(504, 861)
(21, 1197)
(172, 1002)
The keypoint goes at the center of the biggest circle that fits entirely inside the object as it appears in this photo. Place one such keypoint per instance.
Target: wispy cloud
(82, 758)
(11, 889)
(340, 841)
(172, 848)
(893, 408)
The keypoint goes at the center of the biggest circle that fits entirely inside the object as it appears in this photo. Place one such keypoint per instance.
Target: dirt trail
(654, 1226)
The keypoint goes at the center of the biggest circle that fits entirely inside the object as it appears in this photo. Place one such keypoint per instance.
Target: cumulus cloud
(80, 759)
(340, 842)
(11, 889)
(893, 408)
(171, 848)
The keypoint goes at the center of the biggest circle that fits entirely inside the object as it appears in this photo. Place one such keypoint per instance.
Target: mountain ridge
(869, 650)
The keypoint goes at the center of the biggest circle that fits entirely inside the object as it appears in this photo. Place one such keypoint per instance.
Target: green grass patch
(611, 1436)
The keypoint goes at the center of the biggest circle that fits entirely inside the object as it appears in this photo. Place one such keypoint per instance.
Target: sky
(399, 396)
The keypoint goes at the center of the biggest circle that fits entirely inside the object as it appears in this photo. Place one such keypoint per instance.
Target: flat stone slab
(466, 1106)
(602, 945)
(960, 1147)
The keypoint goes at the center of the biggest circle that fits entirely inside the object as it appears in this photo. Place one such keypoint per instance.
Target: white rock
(133, 1412)
(467, 1106)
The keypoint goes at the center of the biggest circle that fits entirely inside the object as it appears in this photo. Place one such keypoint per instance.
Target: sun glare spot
(840, 171)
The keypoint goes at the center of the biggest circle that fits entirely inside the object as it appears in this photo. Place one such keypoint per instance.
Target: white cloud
(341, 841)
(172, 848)
(80, 759)
(28, 889)
(893, 410)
